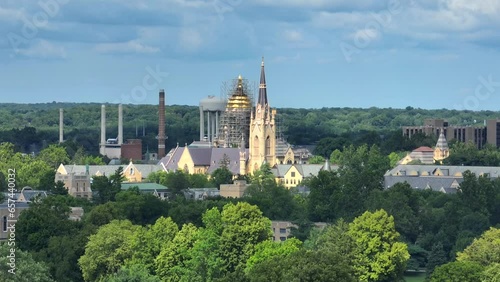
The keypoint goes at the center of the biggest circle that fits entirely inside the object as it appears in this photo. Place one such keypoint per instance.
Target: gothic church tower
(262, 138)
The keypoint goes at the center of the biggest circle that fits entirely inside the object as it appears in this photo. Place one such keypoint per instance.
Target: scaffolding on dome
(235, 120)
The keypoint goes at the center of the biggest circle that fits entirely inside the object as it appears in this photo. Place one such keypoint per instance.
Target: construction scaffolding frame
(235, 120)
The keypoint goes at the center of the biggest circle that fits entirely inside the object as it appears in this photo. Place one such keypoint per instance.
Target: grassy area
(414, 277)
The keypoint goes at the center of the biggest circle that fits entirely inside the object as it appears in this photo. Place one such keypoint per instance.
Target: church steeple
(262, 87)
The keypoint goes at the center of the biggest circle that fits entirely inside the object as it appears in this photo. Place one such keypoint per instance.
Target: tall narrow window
(268, 146)
(256, 146)
(4, 224)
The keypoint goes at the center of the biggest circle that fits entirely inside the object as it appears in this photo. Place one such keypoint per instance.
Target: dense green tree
(221, 175)
(54, 155)
(361, 171)
(327, 145)
(336, 239)
(104, 214)
(44, 219)
(107, 250)
(23, 269)
(437, 256)
(140, 208)
(269, 250)
(275, 201)
(492, 273)
(63, 252)
(147, 243)
(325, 193)
(316, 160)
(263, 177)
(134, 273)
(379, 256)
(244, 227)
(107, 188)
(404, 204)
(205, 260)
(177, 181)
(59, 189)
(171, 263)
(304, 265)
(485, 250)
(458, 271)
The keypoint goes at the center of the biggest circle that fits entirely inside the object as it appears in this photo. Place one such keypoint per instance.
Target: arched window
(268, 146)
(256, 146)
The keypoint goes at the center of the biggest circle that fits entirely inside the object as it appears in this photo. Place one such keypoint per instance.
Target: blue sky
(318, 53)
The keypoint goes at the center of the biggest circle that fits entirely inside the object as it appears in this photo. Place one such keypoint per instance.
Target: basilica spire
(262, 87)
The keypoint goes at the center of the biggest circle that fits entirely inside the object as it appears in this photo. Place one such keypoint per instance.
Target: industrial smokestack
(103, 125)
(120, 124)
(161, 125)
(61, 125)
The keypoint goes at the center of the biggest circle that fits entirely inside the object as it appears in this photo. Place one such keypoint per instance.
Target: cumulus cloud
(132, 46)
(190, 39)
(293, 35)
(43, 49)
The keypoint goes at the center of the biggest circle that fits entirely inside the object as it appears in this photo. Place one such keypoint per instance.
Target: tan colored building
(474, 134)
(235, 190)
(132, 172)
(291, 175)
(78, 184)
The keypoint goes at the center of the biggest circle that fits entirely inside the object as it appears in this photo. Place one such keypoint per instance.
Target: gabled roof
(200, 156)
(172, 158)
(452, 171)
(234, 159)
(434, 183)
(423, 149)
(108, 170)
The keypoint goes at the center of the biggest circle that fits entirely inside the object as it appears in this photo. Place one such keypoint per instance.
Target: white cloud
(283, 59)
(132, 46)
(366, 34)
(45, 50)
(190, 39)
(339, 20)
(9, 15)
(293, 35)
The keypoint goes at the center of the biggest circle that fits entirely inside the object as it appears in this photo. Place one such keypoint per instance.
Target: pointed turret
(442, 151)
(441, 143)
(262, 87)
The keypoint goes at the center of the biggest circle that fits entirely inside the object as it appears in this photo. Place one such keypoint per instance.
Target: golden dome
(239, 100)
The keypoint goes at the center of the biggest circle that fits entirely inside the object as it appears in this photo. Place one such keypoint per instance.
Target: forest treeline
(373, 234)
(33, 126)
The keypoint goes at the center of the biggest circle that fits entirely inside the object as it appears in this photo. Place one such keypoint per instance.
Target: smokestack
(61, 125)
(120, 124)
(161, 125)
(103, 125)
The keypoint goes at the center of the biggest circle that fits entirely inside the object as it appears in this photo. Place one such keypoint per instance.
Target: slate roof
(305, 170)
(201, 156)
(169, 162)
(424, 182)
(454, 171)
(108, 170)
(234, 157)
